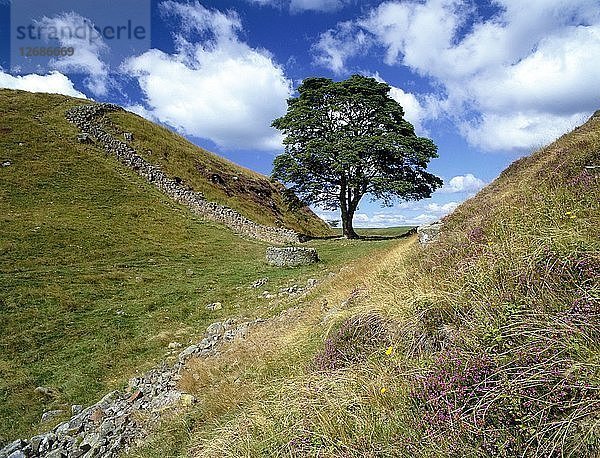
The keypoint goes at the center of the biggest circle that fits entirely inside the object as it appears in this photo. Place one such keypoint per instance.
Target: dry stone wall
(291, 256)
(86, 118)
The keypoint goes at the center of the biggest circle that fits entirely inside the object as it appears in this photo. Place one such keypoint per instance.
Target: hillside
(483, 343)
(100, 271)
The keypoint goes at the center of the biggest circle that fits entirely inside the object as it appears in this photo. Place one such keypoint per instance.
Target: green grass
(494, 330)
(99, 271)
(395, 231)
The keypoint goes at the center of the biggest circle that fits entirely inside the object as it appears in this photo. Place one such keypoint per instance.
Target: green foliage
(344, 140)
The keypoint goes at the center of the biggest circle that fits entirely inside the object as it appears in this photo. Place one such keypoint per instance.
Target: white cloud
(317, 5)
(442, 209)
(220, 89)
(53, 83)
(463, 183)
(530, 61)
(298, 6)
(87, 56)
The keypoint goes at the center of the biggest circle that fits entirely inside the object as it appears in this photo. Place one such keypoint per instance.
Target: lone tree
(347, 139)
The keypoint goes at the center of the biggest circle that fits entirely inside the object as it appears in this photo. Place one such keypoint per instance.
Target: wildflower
(383, 390)
(389, 350)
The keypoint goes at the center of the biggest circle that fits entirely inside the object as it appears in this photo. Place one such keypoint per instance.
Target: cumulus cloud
(87, 58)
(53, 83)
(529, 61)
(217, 88)
(298, 6)
(463, 183)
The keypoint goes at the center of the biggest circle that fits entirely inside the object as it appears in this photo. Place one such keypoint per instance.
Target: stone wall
(85, 117)
(291, 256)
(428, 233)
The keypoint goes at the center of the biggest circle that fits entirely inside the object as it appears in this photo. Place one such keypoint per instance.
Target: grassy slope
(99, 271)
(222, 181)
(492, 347)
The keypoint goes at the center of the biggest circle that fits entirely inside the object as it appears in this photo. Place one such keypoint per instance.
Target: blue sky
(488, 81)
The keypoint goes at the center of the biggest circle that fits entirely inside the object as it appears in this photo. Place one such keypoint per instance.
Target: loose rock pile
(114, 424)
(291, 256)
(86, 118)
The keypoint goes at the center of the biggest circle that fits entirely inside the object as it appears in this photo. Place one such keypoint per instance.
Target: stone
(428, 233)
(135, 396)
(260, 282)
(291, 256)
(17, 454)
(84, 138)
(174, 345)
(6, 164)
(215, 329)
(51, 415)
(45, 391)
(97, 415)
(311, 282)
(128, 136)
(76, 409)
(12, 447)
(214, 306)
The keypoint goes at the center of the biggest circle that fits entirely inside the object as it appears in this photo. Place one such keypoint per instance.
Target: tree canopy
(346, 139)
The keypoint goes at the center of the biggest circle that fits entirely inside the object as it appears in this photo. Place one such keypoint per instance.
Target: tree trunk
(347, 217)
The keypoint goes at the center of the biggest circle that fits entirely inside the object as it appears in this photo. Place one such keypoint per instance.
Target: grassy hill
(99, 271)
(485, 343)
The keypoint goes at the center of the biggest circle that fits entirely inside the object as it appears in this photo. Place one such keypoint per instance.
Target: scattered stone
(6, 164)
(174, 345)
(214, 306)
(189, 272)
(128, 136)
(291, 256)
(260, 282)
(311, 282)
(51, 415)
(428, 233)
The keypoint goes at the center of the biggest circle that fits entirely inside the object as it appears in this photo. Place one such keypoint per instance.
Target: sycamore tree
(344, 140)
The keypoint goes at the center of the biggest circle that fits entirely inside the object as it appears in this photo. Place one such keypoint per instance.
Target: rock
(6, 164)
(311, 282)
(17, 454)
(214, 306)
(260, 282)
(174, 345)
(128, 136)
(90, 443)
(428, 232)
(51, 415)
(45, 391)
(215, 329)
(97, 415)
(135, 396)
(76, 409)
(291, 256)
(189, 272)
(85, 138)
(12, 447)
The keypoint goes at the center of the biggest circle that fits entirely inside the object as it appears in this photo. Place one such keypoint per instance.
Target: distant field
(379, 231)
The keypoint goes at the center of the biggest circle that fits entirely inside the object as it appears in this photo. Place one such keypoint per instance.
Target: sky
(487, 80)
